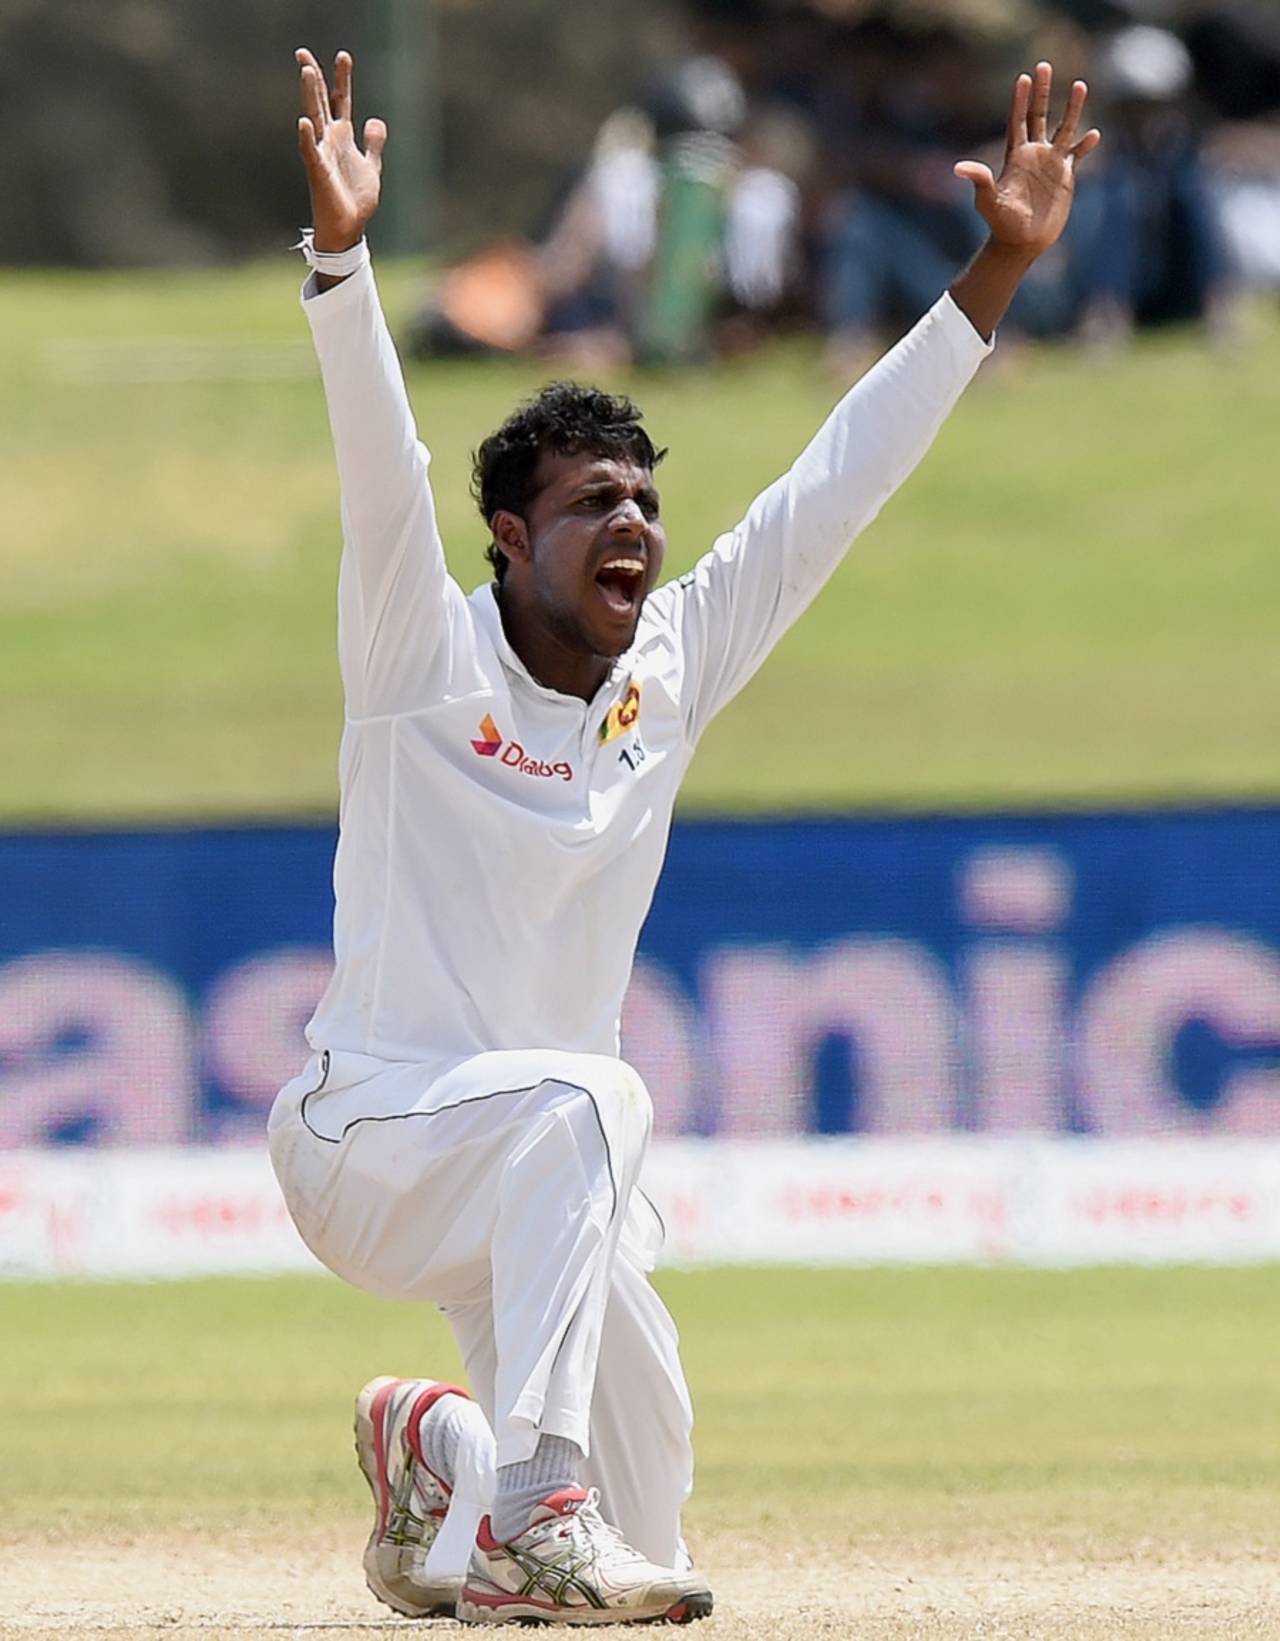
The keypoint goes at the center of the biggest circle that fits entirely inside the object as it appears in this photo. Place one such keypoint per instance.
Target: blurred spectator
(794, 162)
(698, 108)
(899, 109)
(681, 206)
(1235, 48)
(798, 159)
(1246, 162)
(1147, 238)
(1236, 52)
(762, 230)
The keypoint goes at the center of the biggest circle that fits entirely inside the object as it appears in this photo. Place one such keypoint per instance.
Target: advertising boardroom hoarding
(950, 1199)
(1108, 975)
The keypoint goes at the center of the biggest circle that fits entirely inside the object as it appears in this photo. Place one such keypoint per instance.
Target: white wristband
(336, 263)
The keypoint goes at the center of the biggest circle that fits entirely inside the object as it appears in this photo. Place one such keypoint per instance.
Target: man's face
(595, 550)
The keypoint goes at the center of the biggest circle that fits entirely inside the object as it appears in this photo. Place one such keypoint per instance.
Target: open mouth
(621, 582)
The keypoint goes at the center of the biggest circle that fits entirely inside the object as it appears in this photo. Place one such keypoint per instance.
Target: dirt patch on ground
(236, 1586)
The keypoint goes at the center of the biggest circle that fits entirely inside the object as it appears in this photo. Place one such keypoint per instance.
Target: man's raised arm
(395, 595)
(740, 598)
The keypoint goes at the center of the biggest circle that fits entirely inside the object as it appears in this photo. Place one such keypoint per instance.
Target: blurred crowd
(794, 168)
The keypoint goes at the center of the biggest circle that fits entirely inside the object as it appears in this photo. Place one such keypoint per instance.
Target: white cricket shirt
(499, 842)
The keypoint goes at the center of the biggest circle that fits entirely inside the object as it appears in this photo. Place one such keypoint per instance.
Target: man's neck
(548, 660)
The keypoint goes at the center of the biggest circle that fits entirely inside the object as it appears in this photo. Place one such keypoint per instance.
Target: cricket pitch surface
(234, 1585)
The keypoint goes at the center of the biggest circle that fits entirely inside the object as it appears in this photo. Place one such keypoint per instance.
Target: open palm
(344, 180)
(1027, 205)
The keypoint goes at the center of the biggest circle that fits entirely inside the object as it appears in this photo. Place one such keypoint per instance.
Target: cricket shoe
(409, 1500)
(570, 1566)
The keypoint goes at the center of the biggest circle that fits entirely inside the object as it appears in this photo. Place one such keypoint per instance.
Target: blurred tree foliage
(163, 131)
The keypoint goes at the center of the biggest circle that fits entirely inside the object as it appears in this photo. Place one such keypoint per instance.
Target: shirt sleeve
(398, 607)
(739, 599)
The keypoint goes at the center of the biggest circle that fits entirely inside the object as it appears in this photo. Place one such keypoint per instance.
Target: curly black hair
(567, 417)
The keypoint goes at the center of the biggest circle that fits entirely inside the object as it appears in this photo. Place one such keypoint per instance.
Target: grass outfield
(916, 1453)
(1073, 602)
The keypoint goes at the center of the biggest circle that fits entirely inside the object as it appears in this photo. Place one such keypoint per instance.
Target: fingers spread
(1018, 111)
(342, 86)
(1038, 114)
(1065, 136)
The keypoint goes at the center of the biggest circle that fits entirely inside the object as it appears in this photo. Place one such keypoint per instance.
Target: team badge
(622, 715)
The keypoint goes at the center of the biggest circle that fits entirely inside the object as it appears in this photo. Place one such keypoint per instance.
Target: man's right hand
(344, 182)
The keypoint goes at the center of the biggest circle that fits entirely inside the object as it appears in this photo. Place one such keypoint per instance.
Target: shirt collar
(484, 601)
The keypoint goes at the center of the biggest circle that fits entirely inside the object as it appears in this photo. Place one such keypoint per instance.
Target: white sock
(441, 1432)
(522, 1487)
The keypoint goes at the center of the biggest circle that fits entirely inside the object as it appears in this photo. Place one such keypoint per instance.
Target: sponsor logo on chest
(513, 755)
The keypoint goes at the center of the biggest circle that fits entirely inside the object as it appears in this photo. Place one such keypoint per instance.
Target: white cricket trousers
(505, 1192)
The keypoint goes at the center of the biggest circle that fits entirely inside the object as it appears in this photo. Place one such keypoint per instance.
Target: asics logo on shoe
(559, 1573)
(558, 1578)
(514, 756)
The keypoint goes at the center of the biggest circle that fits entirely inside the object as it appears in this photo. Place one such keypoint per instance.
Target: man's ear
(511, 536)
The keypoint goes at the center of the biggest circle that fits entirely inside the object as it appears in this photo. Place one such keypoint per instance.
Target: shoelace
(603, 1540)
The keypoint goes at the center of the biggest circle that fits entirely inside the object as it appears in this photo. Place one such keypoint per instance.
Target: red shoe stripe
(479, 1598)
(378, 1417)
(563, 1503)
(425, 1402)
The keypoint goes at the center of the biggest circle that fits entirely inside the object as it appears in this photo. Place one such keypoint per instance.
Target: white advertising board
(1047, 1202)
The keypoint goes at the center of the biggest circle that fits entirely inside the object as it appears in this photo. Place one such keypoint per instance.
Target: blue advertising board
(1116, 974)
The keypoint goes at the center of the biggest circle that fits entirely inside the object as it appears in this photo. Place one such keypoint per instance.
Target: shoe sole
(371, 1455)
(697, 1604)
